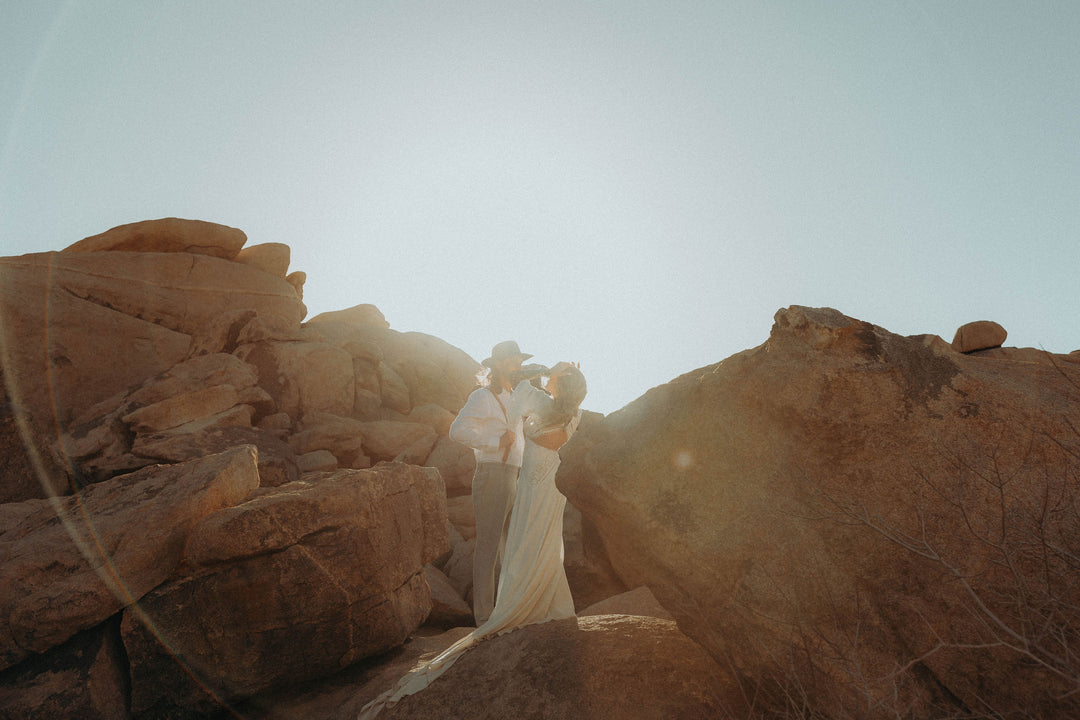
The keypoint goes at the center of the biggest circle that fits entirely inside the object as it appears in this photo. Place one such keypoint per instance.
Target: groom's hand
(506, 442)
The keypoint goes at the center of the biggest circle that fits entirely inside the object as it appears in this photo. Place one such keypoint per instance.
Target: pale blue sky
(638, 186)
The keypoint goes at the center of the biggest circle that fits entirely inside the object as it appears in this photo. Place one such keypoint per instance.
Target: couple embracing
(516, 431)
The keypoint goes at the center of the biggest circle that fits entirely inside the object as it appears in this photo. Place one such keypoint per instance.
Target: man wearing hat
(482, 425)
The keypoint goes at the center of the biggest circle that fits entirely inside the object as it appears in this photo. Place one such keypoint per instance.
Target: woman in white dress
(532, 582)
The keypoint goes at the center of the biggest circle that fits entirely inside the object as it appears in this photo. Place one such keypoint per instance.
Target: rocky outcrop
(71, 564)
(577, 668)
(573, 668)
(170, 417)
(296, 583)
(173, 235)
(854, 519)
(81, 326)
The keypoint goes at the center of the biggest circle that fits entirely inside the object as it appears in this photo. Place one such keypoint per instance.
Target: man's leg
(494, 486)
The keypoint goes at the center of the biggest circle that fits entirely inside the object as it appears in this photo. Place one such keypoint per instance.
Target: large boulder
(71, 563)
(298, 582)
(413, 369)
(303, 377)
(171, 235)
(276, 461)
(581, 667)
(865, 519)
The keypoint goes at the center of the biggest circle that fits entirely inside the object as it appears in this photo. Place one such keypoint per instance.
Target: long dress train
(532, 583)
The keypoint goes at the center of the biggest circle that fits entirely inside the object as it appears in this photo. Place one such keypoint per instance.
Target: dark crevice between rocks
(120, 657)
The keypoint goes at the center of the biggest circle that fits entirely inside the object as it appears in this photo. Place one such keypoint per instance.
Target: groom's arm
(473, 427)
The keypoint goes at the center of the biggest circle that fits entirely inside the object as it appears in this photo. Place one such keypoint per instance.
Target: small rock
(448, 609)
(272, 258)
(460, 512)
(365, 314)
(317, 461)
(297, 280)
(978, 335)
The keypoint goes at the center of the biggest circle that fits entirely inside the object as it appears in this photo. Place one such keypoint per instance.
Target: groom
(483, 425)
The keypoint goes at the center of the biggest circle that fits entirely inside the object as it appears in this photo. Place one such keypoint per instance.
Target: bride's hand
(563, 365)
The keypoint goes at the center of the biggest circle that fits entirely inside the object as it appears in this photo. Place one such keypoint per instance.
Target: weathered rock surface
(588, 570)
(386, 439)
(86, 677)
(168, 417)
(579, 668)
(582, 667)
(61, 352)
(271, 258)
(71, 565)
(341, 436)
(408, 369)
(448, 609)
(979, 335)
(303, 377)
(456, 463)
(462, 515)
(639, 601)
(865, 519)
(365, 314)
(77, 328)
(167, 235)
(298, 582)
(276, 461)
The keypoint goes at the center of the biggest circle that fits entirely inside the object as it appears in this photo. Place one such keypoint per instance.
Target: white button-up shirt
(482, 422)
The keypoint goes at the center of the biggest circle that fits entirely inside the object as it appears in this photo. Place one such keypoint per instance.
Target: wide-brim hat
(505, 349)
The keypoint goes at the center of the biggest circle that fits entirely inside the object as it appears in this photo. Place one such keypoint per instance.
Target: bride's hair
(572, 390)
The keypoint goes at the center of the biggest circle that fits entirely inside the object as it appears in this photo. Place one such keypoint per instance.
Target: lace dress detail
(545, 461)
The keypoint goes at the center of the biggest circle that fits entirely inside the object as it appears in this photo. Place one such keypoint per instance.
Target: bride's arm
(523, 401)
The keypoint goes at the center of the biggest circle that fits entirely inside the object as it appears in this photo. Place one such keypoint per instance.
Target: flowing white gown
(532, 582)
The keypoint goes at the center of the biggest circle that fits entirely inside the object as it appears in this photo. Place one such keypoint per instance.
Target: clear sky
(638, 186)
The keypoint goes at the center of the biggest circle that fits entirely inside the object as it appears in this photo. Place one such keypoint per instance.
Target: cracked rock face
(97, 305)
(298, 582)
(866, 517)
(71, 566)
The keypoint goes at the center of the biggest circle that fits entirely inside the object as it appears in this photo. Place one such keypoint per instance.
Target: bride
(532, 582)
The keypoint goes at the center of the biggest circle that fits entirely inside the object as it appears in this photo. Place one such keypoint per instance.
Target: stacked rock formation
(193, 473)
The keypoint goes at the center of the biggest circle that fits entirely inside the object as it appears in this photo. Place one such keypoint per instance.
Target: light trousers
(493, 489)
